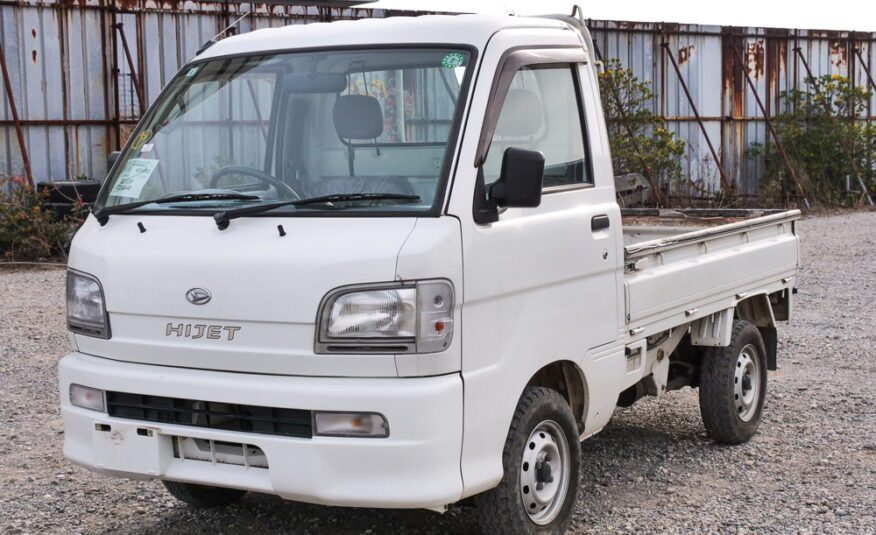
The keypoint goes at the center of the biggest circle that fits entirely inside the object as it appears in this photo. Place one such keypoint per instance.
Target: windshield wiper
(103, 214)
(223, 218)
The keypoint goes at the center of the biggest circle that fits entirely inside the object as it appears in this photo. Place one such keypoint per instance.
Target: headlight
(86, 309)
(388, 313)
(411, 318)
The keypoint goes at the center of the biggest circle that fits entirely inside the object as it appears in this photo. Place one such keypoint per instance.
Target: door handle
(599, 222)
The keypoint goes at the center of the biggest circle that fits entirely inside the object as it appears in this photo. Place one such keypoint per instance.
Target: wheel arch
(568, 379)
(758, 310)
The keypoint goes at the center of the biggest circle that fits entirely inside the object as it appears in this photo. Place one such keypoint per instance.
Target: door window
(542, 112)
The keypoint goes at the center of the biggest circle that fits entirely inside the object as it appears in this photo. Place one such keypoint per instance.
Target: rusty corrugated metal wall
(72, 83)
(76, 94)
(727, 106)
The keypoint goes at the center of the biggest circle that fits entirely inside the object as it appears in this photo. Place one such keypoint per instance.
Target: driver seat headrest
(522, 114)
(358, 117)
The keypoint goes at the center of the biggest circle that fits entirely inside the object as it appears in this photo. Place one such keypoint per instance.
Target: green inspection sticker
(452, 60)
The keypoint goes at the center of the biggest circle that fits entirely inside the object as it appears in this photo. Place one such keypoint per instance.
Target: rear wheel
(542, 460)
(733, 384)
(203, 496)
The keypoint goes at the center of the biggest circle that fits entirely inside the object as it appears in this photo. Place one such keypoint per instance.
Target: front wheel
(733, 383)
(542, 460)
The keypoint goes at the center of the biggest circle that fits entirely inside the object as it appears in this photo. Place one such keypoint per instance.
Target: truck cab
(380, 264)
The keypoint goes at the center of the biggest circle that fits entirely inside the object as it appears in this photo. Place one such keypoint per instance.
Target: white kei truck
(380, 263)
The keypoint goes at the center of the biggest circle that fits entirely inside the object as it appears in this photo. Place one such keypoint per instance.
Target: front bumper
(418, 465)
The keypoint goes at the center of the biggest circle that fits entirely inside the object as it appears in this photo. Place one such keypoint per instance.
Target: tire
(733, 383)
(203, 496)
(542, 448)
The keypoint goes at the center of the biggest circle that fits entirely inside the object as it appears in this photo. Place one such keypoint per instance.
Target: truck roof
(472, 30)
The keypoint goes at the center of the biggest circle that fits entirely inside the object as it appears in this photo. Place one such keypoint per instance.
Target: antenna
(232, 25)
(219, 36)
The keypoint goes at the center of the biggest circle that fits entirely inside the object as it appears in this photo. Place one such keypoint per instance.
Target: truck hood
(269, 286)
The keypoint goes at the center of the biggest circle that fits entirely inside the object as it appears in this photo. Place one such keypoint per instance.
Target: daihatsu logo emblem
(198, 296)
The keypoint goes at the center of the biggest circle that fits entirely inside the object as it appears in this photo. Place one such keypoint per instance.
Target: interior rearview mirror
(312, 82)
(520, 180)
(111, 161)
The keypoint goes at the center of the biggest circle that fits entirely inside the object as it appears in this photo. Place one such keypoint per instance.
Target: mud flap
(771, 342)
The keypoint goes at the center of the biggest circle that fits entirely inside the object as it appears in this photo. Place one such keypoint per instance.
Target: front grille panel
(211, 414)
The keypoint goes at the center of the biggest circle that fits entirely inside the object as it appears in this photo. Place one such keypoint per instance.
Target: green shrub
(651, 149)
(823, 141)
(29, 230)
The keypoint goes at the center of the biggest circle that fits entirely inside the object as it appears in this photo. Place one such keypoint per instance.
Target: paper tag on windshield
(137, 172)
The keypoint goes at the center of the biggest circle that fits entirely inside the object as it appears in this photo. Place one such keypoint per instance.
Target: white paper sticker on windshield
(137, 172)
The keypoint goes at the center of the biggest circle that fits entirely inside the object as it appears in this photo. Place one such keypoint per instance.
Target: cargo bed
(682, 265)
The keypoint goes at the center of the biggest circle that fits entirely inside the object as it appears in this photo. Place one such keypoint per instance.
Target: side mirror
(111, 161)
(520, 181)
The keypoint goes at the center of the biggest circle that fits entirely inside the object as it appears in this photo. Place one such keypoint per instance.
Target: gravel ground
(810, 469)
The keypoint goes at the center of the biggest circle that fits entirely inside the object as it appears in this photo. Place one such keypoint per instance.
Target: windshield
(295, 126)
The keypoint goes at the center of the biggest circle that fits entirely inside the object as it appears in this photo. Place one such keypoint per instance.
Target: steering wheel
(283, 189)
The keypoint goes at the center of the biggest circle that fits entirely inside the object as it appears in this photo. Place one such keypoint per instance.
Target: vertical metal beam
(65, 100)
(225, 29)
(850, 69)
(770, 127)
(776, 55)
(725, 180)
(141, 61)
(22, 145)
(633, 140)
(732, 110)
(796, 70)
(110, 72)
(657, 37)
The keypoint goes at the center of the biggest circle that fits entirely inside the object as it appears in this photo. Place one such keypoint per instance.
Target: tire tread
(719, 418)
(494, 505)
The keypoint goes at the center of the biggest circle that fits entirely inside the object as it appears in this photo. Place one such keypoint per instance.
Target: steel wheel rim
(746, 383)
(545, 472)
